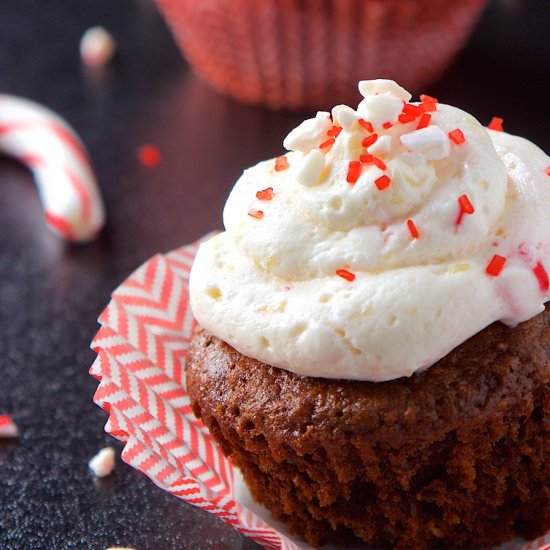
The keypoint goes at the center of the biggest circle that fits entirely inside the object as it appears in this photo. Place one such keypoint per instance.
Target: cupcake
(372, 347)
(296, 53)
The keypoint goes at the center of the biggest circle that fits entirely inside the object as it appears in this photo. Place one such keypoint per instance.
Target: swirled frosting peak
(387, 236)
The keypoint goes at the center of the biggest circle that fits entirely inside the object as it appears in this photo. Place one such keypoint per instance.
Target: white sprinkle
(344, 116)
(97, 47)
(431, 142)
(310, 169)
(383, 86)
(8, 428)
(379, 109)
(381, 145)
(310, 134)
(102, 463)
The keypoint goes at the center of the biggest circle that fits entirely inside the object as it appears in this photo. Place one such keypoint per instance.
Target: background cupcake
(305, 53)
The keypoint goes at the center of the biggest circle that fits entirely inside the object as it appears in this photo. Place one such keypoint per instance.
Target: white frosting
(269, 287)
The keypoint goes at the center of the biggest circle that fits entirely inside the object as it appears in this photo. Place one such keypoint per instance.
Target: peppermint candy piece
(50, 148)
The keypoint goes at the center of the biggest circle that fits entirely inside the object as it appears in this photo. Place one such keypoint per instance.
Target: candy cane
(50, 148)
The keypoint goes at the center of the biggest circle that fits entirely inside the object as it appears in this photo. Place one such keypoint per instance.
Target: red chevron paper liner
(310, 53)
(141, 349)
(142, 346)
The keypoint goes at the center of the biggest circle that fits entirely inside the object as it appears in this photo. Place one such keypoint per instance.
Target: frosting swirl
(371, 257)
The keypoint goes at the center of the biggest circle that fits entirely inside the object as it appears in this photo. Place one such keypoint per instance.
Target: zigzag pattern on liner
(142, 345)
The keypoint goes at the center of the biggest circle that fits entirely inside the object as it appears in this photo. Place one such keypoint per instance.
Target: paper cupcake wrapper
(304, 53)
(141, 350)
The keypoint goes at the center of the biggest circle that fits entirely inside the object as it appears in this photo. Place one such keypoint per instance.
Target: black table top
(51, 293)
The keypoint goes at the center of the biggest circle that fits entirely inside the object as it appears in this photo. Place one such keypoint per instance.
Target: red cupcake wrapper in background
(142, 347)
(311, 53)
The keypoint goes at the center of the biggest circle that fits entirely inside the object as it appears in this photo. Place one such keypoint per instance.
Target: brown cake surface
(456, 455)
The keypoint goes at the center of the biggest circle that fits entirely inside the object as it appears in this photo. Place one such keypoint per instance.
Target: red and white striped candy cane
(66, 183)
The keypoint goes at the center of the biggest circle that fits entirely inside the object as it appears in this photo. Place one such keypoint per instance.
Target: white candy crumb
(431, 142)
(310, 134)
(345, 116)
(97, 47)
(383, 86)
(381, 145)
(102, 463)
(311, 167)
(381, 108)
(8, 428)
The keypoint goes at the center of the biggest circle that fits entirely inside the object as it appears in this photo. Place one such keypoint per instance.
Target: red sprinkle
(382, 182)
(281, 164)
(496, 265)
(258, 214)
(328, 143)
(354, 171)
(413, 230)
(345, 274)
(427, 106)
(367, 158)
(424, 121)
(366, 125)
(542, 277)
(496, 124)
(465, 205)
(457, 136)
(425, 98)
(369, 140)
(387, 125)
(334, 131)
(405, 117)
(411, 109)
(548, 170)
(149, 155)
(265, 194)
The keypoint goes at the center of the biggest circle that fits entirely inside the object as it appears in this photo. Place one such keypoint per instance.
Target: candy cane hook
(45, 143)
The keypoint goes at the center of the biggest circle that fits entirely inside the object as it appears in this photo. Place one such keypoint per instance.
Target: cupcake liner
(310, 53)
(141, 351)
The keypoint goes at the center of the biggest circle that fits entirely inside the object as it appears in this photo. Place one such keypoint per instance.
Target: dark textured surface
(51, 294)
(458, 454)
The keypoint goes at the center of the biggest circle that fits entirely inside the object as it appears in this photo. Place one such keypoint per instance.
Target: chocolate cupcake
(457, 454)
(349, 355)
